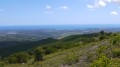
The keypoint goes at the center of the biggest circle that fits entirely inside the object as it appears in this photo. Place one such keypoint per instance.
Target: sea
(59, 27)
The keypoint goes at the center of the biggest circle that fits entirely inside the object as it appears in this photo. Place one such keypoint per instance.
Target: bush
(12, 59)
(2, 64)
(115, 40)
(101, 50)
(102, 37)
(116, 52)
(50, 50)
(22, 57)
(70, 59)
(91, 56)
(39, 53)
(102, 32)
(103, 61)
(18, 58)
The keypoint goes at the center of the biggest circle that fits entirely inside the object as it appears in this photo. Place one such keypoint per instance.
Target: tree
(20, 57)
(50, 50)
(102, 32)
(12, 59)
(39, 53)
(103, 37)
(115, 40)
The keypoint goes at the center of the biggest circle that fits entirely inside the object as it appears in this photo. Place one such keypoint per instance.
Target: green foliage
(102, 32)
(101, 49)
(20, 57)
(84, 38)
(49, 50)
(103, 37)
(12, 59)
(115, 62)
(2, 64)
(103, 61)
(70, 59)
(39, 53)
(90, 57)
(116, 52)
(115, 40)
(18, 46)
(66, 51)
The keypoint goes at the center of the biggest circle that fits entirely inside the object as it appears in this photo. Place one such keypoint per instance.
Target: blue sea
(59, 27)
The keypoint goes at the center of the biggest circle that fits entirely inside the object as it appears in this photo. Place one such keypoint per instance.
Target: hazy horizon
(60, 27)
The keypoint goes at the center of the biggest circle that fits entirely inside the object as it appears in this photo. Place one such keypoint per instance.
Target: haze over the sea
(59, 27)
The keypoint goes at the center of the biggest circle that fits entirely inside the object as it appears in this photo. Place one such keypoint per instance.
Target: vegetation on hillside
(88, 50)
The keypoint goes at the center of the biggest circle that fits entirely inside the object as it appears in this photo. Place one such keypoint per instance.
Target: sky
(59, 12)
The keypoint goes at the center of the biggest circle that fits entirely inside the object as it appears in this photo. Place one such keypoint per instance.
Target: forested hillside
(87, 50)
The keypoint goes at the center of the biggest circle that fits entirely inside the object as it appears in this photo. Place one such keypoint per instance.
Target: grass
(60, 58)
(63, 58)
(115, 62)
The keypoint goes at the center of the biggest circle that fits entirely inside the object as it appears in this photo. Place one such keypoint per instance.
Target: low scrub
(116, 52)
(71, 59)
(103, 61)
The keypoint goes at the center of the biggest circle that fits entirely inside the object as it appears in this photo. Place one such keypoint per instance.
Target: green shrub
(103, 61)
(102, 32)
(50, 50)
(12, 59)
(20, 57)
(90, 57)
(116, 52)
(2, 64)
(39, 53)
(115, 40)
(103, 37)
(70, 59)
(101, 49)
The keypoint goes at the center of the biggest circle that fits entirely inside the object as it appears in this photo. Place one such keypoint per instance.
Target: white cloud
(107, 1)
(64, 7)
(90, 6)
(98, 4)
(113, 13)
(103, 3)
(48, 7)
(116, 1)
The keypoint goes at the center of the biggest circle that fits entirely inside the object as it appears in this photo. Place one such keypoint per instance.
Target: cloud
(48, 7)
(98, 4)
(116, 1)
(64, 7)
(102, 3)
(113, 13)
(90, 6)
